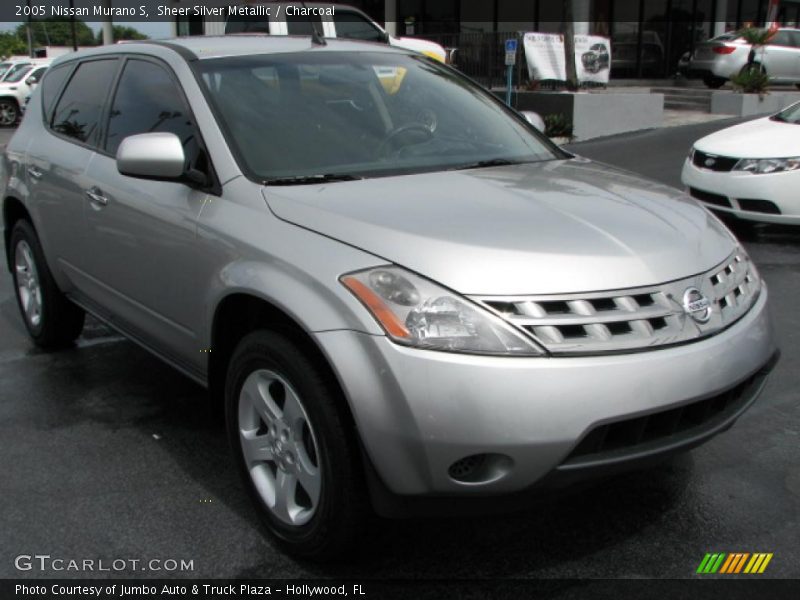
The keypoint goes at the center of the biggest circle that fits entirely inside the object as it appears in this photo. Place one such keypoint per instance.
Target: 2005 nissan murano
(411, 297)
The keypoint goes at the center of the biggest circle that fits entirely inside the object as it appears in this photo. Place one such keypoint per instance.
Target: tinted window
(147, 100)
(781, 38)
(303, 25)
(78, 112)
(37, 74)
(355, 27)
(51, 86)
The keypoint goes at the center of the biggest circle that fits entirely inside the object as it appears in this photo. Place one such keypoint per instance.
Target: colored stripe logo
(734, 563)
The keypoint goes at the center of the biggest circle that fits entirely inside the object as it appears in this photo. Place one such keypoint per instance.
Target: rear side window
(782, 38)
(246, 24)
(147, 100)
(303, 25)
(78, 112)
(51, 86)
(353, 26)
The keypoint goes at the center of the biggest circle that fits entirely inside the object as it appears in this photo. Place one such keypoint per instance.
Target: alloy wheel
(28, 286)
(279, 447)
(8, 113)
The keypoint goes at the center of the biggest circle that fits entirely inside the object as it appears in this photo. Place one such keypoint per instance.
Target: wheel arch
(13, 210)
(240, 313)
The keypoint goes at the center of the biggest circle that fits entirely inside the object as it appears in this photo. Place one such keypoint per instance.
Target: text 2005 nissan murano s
(410, 296)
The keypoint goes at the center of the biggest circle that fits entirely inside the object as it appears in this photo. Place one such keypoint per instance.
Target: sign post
(511, 60)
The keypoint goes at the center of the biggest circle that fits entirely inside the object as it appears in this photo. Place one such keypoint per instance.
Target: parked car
(750, 171)
(402, 313)
(347, 22)
(720, 58)
(15, 88)
(596, 59)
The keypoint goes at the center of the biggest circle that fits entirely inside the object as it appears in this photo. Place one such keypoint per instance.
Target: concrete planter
(597, 114)
(745, 105)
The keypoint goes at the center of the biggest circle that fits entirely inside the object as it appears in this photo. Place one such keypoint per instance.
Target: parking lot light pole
(108, 28)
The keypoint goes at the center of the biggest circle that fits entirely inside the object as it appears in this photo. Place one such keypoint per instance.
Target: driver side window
(350, 25)
(148, 100)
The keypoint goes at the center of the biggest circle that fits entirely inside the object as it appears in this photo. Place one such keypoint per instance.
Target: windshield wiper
(492, 162)
(312, 179)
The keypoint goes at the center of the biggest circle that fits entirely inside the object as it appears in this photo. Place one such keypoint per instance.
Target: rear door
(141, 245)
(57, 161)
(780, 56)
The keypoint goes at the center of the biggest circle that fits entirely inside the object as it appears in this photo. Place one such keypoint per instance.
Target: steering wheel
(402, 129)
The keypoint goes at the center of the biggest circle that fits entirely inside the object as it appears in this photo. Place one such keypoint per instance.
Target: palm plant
(753, 79)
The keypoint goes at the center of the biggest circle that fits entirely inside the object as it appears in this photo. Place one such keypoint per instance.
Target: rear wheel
(295, 446)
(9, 112)
(52, 320)
(714, 82)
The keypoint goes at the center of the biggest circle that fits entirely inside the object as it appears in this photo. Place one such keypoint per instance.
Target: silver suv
(402, 294)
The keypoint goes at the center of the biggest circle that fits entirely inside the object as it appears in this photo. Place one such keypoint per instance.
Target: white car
(284, 18)
(15, 89)
(751, 170)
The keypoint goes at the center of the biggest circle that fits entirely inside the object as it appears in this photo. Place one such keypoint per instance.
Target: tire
(797, 85)
(714, 82)
(9, 112)
(51, 319)
(314, 448)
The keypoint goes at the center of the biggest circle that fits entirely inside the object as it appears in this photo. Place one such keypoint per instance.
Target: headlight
(416, 312)
(759, 166)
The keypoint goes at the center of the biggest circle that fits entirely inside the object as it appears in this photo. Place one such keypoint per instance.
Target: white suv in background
(347, 22)
(15, 88)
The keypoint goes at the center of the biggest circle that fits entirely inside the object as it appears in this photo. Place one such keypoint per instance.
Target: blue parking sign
(511, 45)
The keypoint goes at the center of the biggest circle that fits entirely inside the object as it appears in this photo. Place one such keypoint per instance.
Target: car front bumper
(418, 412)
(778, 188)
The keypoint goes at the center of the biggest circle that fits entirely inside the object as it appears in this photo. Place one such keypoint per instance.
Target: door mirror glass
(152, 156)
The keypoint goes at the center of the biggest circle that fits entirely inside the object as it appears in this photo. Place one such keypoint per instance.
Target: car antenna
(316, 36)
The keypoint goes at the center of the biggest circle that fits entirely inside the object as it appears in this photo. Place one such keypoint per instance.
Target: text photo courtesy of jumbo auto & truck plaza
(399, 299)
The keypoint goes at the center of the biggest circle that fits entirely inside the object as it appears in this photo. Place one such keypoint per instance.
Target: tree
(122, 33)
(57, 32)
(11, 44)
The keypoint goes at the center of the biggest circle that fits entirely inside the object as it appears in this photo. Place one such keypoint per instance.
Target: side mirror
(534, 119)
(32, 80)
(152, 156)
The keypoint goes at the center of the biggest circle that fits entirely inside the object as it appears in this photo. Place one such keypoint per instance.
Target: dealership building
(648, 36)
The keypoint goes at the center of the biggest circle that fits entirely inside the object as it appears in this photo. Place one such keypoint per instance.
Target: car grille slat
(632, 320)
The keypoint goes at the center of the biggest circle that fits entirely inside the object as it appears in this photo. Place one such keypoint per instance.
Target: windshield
(789, 115)
(4, 66)
(16, 74)
(360, 114)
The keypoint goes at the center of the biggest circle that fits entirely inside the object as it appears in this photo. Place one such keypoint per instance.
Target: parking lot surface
(107, 453)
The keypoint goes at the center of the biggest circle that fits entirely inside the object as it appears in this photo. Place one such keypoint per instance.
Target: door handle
(34, 172)
(96, 197)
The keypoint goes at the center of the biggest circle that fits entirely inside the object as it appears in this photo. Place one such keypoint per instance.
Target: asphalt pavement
(107, 453)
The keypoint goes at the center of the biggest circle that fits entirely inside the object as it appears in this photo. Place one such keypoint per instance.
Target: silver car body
(780, 58)
(618, 254)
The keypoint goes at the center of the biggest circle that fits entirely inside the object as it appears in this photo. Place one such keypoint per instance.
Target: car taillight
(723, 49)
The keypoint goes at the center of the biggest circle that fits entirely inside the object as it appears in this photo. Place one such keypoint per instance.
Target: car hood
(762, 138)
(552, 227)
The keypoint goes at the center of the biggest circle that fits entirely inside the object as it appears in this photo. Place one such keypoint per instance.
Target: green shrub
(751, 80)
(557, 125)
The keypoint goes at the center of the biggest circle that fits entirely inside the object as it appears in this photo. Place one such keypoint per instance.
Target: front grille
(712, 162)
(710, 198)
(634, 319)
(662, 429)
(760, 206)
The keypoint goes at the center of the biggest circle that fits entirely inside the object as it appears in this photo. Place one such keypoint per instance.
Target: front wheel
(51, 319)
(9, 113)
(295, 446)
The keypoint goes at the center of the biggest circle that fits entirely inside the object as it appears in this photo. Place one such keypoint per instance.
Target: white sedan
(751, 170)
